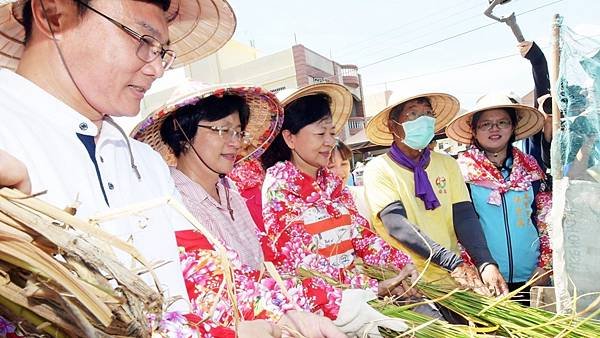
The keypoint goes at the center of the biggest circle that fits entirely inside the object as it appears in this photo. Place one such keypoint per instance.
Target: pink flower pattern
(257, 296)
(479, 170)
(289, 194)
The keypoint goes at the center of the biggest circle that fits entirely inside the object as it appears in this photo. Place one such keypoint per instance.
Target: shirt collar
(54, 111)
(305, 186)
(199, 193)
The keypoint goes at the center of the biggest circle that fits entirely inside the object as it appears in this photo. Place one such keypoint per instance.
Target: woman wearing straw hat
(201, 132)
(418, 198)
(310, 218)
(503, 182)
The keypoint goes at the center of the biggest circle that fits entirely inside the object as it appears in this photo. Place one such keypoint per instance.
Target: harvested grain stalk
(59, 275)
(510, 318)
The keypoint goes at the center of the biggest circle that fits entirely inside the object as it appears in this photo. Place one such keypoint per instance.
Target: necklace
(494, 158)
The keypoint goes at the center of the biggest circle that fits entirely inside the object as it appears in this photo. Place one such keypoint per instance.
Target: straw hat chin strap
(102, 116)
(63, 61)
(221, 175)
(298, 154)
(131, 159)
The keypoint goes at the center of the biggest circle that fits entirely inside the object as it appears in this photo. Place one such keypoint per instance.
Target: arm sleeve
(536, 145)
(469, 233)
(539, 68)
(545, 152)
(394, 219)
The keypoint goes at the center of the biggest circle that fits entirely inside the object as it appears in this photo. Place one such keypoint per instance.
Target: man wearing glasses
(78, 63)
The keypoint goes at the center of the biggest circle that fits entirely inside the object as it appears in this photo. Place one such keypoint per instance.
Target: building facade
(294, 67)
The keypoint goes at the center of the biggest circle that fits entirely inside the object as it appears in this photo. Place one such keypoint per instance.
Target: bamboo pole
(555, 148)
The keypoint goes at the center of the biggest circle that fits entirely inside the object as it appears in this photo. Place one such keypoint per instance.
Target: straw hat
(197, 28)
(265, 120)
(444, 106)
(529, 119)
(341, 100)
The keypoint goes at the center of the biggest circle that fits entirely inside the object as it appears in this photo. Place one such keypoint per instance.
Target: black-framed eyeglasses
(488, 125)
(149, 48)
(242, 136)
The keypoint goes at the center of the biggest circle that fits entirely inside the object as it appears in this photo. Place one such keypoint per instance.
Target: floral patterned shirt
(313, 224)
(256, 294)
(478, 170)
(248, 177)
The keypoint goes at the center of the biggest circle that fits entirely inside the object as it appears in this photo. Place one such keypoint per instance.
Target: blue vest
(511, 236)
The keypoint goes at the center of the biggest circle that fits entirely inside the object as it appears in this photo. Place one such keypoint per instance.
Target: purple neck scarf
(423, 189)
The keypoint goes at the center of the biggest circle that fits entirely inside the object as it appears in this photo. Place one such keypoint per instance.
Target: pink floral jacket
(257, 295)
(314, 224)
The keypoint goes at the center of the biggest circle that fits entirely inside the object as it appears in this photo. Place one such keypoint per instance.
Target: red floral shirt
(313, 224)
(256, 294)
(248, 177)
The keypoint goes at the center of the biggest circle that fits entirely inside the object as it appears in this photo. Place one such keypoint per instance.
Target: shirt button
(83, 126)
(111, 186)
(101, 159)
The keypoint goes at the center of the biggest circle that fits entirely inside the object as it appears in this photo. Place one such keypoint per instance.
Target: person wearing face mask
(418, 198)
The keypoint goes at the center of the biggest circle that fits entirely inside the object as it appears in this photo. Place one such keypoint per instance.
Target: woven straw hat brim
(341, 101)
(530, 121)
(444, 106)
(197, 28)
(265, 120)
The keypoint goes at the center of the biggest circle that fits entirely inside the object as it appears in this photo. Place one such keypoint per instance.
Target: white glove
(356, 318)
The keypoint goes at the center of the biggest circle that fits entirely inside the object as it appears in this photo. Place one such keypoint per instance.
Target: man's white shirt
(41, 131)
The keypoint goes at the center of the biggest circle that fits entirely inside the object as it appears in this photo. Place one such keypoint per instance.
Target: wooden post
(555, 149)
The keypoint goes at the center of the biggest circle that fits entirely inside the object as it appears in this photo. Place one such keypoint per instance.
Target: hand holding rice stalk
(508, 317)
(420, 326)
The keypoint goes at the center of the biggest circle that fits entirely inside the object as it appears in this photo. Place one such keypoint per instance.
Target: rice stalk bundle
(420, 326)
(423, 326)
(59, 275)
(509, 317)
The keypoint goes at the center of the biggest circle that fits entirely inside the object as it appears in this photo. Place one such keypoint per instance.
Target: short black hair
(209, 109)
(28, 15)
(397, 110)
(297, 115)
(512, 114)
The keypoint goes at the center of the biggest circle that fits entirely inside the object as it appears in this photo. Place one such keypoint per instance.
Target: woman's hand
(309, 325)
(466, 276)
(258, 329)
(493, 280)
(548, 128)
(524, 47)
(401, 284)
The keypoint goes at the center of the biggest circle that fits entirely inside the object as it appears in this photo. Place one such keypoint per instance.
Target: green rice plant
(509, 317)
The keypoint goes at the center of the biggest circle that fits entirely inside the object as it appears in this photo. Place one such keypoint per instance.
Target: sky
(367, 32)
